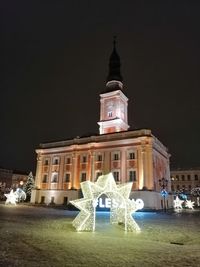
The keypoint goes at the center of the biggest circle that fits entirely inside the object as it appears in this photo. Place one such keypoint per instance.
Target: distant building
(5, 179)
(11, 179)
(131, 155)
(185, 180)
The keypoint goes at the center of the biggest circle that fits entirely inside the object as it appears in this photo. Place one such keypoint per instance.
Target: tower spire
(114, 65)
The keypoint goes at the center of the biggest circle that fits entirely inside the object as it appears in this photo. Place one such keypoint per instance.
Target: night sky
(54, 62)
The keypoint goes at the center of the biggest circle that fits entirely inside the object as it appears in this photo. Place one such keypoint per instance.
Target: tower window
(109, 114)
(132, 176)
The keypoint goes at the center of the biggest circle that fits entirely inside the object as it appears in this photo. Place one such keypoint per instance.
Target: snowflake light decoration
(121, 212)
(189, 204)
(178, 203)
(11, 198)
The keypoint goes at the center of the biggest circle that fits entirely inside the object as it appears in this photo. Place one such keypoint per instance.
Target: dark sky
(54, 61)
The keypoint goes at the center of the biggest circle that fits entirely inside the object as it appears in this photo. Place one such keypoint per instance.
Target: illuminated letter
(108, 203)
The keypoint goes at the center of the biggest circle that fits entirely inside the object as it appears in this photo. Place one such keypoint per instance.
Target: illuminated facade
(131, 155)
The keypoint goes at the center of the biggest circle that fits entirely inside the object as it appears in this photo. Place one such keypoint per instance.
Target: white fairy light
(189, 204)
(178, 203)
(120, 212)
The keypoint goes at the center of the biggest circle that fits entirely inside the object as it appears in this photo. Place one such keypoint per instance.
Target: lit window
(132, 176)
(116, 176)
(54, 178)
(67, 177)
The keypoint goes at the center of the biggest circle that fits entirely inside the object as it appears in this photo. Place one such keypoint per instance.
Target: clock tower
(113, 102)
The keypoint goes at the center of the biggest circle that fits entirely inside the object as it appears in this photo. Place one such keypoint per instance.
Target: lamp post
(163, 184)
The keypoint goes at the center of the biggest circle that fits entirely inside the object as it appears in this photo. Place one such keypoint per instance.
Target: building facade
(131, 155)
(186, 181)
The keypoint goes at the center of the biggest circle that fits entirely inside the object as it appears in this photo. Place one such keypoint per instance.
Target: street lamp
(163, 184)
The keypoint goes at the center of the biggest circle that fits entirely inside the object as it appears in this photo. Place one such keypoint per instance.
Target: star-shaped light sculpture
(121, 212)
(189, 204)
(178, 203)
(11, 198)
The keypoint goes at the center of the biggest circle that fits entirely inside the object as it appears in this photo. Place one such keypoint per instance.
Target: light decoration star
(121, 212)
(189, 204)
(11, 198)
(178, 203)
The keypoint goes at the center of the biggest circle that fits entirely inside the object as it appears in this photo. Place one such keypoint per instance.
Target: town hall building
(135, 156)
